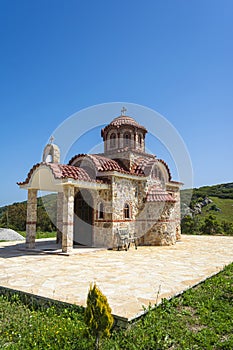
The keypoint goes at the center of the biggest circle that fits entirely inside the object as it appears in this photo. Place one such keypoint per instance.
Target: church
(99, 194)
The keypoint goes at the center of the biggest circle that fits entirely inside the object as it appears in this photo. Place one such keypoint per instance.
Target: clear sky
(58, 57)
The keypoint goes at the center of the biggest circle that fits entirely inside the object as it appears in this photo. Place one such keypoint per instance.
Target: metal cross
(51, 139)
(123, 111)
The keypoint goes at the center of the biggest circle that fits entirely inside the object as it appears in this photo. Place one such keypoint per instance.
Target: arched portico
(64, 180)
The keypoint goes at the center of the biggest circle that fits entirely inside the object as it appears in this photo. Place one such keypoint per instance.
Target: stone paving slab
(130, 280)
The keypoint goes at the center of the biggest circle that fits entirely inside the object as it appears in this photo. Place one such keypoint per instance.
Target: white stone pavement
(130, 280)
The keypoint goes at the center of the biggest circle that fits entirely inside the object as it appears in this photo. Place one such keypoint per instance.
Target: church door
(83, 218)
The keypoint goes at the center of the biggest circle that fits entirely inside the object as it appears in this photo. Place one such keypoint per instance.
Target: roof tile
(61, 171)
(157, 194)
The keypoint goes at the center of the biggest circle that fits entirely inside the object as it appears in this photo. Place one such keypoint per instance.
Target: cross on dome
(123, 111)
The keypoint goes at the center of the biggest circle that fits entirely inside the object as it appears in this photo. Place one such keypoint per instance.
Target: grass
(226, 206)
(40, 234)
(202, 318)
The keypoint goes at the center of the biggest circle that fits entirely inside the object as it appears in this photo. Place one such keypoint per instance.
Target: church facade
(99, 194)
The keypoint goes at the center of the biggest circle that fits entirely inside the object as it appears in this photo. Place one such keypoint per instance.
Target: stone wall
(103, 227)
(158, 223)
(154, 223)
(174, 189)
(125, 191)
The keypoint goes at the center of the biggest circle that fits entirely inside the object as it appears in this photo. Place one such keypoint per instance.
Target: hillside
(224, 191)
(14, 216)
(210, 210)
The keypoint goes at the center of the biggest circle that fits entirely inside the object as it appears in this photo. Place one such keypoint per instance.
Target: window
(113, 140)
(126, 139)
(100, 211)
(126, 211)
(155, 172)
(136, 191)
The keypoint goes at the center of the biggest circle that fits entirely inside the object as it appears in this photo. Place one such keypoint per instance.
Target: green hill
(225, 206)
(14, 216)
(210, 207)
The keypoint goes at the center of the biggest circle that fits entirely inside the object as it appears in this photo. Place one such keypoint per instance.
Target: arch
(161, 171)
(126, 211)
(100, 210)
(155, 172)
(158, 174)
(83, 218)
(127, 139)
(87, 164)
(113, 140)
(51, 154)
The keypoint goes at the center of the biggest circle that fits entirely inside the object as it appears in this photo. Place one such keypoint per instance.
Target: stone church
(98, 194)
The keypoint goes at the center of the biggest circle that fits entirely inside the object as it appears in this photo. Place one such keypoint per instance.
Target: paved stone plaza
(129, 279)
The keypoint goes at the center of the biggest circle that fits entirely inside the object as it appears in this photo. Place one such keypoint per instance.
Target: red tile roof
(61, 171)
(123, 120)
(100, 162)
(144, 165)
(157, 194)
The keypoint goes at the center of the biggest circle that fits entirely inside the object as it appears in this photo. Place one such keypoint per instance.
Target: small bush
(98, 315)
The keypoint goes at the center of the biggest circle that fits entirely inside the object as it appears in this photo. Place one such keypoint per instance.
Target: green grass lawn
(202, 318)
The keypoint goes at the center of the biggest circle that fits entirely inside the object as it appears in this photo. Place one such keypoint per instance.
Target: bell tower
(51, 152)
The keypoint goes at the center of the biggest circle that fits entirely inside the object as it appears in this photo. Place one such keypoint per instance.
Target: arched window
(113, 140)
(136, 191)
(154, 173)
(127, 139)
(100, 211)
(126, 211)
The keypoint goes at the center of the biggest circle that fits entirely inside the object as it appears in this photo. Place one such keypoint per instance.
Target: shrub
(98, 315)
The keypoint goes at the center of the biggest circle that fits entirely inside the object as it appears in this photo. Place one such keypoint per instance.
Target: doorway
(83, 218)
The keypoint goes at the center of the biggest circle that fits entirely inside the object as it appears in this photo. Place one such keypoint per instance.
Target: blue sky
(58, 57)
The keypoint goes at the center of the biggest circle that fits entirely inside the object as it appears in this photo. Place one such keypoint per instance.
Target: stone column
(121, 143)
(31, 219)
(136, 141)
(59, 217)
(68, 218)
(118, 140)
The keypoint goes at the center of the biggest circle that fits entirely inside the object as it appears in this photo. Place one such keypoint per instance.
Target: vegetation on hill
(215, 216)
(14, 216)
(201, 318)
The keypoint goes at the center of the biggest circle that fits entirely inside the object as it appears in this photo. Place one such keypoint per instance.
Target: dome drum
(124, 133)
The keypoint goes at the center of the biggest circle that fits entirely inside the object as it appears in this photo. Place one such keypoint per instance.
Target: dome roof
(123, 120)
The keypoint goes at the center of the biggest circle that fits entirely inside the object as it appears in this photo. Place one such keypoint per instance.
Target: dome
(123, 120)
